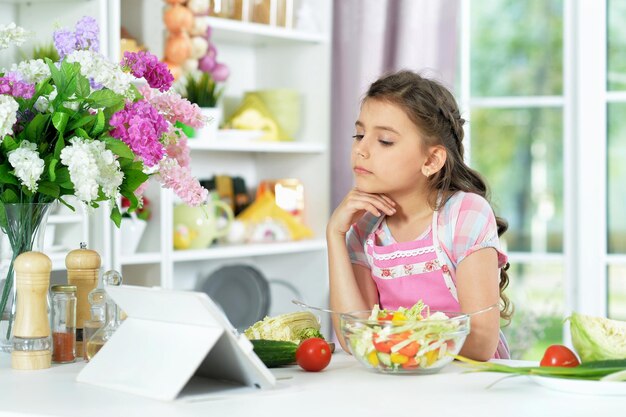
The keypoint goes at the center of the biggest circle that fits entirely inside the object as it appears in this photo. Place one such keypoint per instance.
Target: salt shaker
(31, 337)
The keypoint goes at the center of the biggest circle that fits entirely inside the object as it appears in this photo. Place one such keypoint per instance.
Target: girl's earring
(426, 173)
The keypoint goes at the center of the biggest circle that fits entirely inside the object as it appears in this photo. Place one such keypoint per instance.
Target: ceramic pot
(198, 227)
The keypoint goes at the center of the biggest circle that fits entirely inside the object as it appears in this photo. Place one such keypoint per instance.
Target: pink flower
(173, 107)
(179, 151)
(143, 64)
(180, 180)
(140, 126)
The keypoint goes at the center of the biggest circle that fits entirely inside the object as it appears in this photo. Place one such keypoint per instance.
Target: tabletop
(345, 387)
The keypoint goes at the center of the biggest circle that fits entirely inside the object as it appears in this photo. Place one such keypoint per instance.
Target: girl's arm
(477, 281)
(351, 287)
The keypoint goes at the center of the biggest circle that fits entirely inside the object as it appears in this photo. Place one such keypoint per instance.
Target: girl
(417, 225)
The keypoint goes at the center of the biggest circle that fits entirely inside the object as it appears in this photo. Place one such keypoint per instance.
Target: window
(540, 123)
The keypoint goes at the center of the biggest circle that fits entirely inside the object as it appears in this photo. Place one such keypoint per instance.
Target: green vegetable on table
(592, 370)
(598, 338)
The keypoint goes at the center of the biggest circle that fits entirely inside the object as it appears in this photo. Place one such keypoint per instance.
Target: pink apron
(407, 272)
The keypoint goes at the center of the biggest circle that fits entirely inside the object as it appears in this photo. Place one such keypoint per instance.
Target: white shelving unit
(259, 57)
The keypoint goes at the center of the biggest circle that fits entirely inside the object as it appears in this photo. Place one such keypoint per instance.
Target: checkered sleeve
(356, 237)
(475, 228)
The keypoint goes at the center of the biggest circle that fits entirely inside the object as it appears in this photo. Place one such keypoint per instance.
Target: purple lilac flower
(87, 34)
(12, 85)
(64, 41)
(145, 65)
(140, 126)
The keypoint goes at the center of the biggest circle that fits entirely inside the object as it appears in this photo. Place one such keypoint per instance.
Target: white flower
(111, 176)
(27, 164)
(43, 103)
(32, 71)
(8, 115)
(12, 34)
(83, 169)
(91, 165)
(94, 66)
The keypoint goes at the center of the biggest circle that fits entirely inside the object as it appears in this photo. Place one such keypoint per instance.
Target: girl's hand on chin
(354, 205)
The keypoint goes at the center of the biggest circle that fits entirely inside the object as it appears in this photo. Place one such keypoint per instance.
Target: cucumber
(275, 353)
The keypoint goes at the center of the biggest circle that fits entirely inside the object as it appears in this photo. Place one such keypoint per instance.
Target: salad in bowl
(408, 340)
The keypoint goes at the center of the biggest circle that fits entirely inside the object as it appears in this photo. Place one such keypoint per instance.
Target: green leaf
(132, 180)
(82, 133)
(9, 196)
(68, 72)
(118, 147)
(83, 89)
(66, 204)
(5, 174)
(9, 144)
(51, 169)
(98, 126)
(105, 99)
(59, 120)
(116, 216)
(81, 122)
(49, 188)
(63, 178)
(58, 146)
(35, 128)
(57, 77)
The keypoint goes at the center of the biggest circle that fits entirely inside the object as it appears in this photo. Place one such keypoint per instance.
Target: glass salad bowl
(390, 342)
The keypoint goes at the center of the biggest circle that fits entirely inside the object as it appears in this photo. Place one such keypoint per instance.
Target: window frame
(585, 259)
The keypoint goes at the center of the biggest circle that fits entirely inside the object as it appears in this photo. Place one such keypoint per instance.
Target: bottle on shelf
(97, 300)
(98, 340)
(63, 323)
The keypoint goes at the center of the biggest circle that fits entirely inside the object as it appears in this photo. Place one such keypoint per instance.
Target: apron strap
(447, 276)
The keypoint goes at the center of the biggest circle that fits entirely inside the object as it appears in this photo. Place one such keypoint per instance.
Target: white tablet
(169, 338)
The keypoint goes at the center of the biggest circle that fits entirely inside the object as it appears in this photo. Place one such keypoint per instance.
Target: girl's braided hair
(435, 112)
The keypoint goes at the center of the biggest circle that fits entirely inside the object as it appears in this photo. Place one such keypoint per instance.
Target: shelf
(242, 251)
(234, 31)
(142, 258)
(64, 218)
(256, 146)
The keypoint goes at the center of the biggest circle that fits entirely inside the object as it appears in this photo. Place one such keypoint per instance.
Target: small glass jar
(63, 323)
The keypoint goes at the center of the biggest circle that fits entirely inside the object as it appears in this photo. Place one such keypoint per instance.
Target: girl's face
(387, 152)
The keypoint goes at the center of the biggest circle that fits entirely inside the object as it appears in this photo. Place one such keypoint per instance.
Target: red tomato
(411, 364)
(313, 354)
(410, 349)
(382, 346)
(559, 355)
(385, 316)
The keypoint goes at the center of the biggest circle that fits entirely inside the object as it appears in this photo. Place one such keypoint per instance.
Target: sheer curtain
(371, 37)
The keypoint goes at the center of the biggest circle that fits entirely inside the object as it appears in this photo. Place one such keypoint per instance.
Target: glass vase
(25, 228)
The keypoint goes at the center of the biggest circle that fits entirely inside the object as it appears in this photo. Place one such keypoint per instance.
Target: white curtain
(371, 37)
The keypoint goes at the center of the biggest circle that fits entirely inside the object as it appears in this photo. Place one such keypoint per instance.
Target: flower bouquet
(81, 127)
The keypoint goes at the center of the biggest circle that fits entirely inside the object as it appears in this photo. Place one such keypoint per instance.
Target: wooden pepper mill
(31, 335)
(82, 270)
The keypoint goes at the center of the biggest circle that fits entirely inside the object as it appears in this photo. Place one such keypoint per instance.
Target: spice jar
(63, 323)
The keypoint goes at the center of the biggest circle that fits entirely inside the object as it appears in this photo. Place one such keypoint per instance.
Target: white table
(343, 389)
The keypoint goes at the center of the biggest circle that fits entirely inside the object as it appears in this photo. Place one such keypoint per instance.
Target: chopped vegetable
(291, 327)
(598, 338)
(405, 339)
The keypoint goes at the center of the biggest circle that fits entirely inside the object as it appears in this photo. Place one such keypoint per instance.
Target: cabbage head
(598, 338)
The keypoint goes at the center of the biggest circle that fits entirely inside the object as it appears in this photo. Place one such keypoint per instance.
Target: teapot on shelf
(198, 227)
